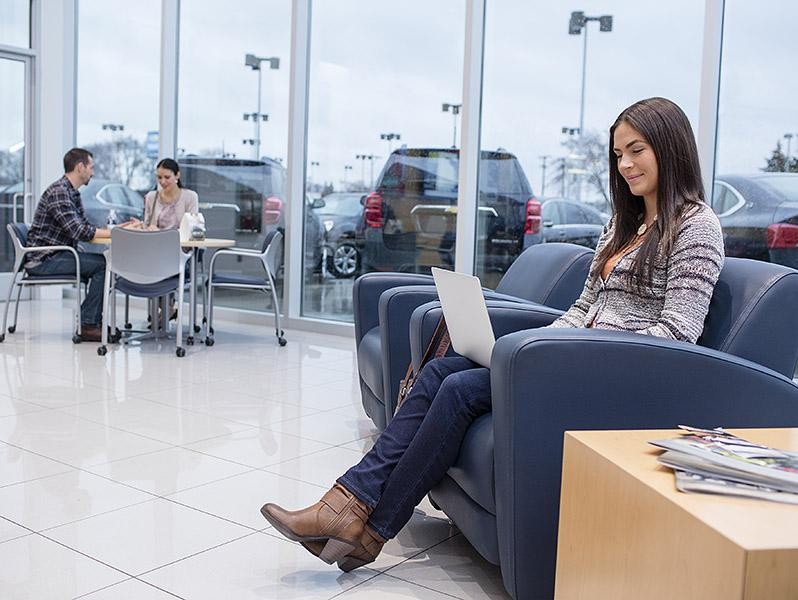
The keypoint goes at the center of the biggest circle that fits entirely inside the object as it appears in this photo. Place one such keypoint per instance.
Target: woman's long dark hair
(170, 164)
(665, 127)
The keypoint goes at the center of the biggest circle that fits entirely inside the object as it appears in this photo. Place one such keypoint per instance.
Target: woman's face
(166, 178)
(636, 161)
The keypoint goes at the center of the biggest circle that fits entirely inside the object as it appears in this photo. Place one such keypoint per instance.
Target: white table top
(206, 243)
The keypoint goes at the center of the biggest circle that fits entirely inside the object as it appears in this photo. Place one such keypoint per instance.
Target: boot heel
(349, 563)
(335, 550)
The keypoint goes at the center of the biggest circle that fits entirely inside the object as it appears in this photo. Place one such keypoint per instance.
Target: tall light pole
(455, 110)
(788, 137)
(254, 62)
(363, 158)
(313, 164)
(347, 168)
(118, 164)
(578, 23)
(543, 158)
(389, 137)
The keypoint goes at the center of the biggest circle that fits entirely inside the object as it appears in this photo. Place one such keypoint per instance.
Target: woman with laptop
(654, 271)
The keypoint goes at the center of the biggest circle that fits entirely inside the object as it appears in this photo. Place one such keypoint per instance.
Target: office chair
(19, 236)
(268, 255)
(147, 264)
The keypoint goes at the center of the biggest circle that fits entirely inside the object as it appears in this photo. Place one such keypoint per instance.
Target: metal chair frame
(20, 252)
(268, 258)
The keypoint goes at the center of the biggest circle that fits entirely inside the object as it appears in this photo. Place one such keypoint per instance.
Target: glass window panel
(532, 96)
(758, 131)
(383, 115)
(15, 23)
(231, 150)
(12, 151)
(118, 83)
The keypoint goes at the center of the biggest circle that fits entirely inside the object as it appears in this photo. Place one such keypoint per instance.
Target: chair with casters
(503, 492)
(21, 278)
(551, 275)
(268, 255)
(145, 264)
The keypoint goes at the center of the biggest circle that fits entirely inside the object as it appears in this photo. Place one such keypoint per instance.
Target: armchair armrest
(547, 381)
(366, 296)
(505, 317)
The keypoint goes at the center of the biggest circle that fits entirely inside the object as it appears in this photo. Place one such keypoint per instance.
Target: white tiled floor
(140, 475)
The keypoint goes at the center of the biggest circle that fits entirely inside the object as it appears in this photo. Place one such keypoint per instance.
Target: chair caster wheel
(190, 340)
(197, 328)
(2, 337)
(211, 331)
(181, 352)
(209, 341)
(12, 328)
(102, 350)
(282, 341)
(204, 320)
(128, 325)
(116, 336)
(76, 339)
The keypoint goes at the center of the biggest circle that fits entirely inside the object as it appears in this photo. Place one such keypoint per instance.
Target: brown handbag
(437, 347)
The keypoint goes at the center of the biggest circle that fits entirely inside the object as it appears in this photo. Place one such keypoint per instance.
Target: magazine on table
(692, 482)
(715, 461)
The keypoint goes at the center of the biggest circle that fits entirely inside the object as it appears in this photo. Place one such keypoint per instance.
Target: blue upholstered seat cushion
(369, 364)
(473, 471)
(147, 290)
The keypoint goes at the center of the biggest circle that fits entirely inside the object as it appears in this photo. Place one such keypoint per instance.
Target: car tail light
(272, 207)
(374, 210)
(532, 223)
(782, 235)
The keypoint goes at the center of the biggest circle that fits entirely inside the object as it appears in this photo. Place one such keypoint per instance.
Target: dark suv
(254, 187)
(409, 219)
(245, 199)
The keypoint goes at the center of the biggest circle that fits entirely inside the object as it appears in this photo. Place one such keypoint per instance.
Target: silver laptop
(466, 314)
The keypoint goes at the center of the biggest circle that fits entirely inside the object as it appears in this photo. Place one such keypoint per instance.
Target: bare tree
(587, 155)
(123, 160)
(10, 168)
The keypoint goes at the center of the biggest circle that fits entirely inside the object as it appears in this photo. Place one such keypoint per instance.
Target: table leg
(192, 297)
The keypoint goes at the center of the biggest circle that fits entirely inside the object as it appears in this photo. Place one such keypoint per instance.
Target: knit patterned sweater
(677, 302)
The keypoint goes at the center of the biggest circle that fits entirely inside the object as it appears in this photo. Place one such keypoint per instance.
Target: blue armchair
(547, 274)
(504, 491)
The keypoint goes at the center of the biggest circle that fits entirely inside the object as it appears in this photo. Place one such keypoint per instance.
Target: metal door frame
(24, 201)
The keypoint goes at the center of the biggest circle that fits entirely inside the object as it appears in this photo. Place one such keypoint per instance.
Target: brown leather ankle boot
(370, 546)
(337, 521)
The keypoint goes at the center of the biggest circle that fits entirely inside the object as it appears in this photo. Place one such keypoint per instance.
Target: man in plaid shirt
(60, 221)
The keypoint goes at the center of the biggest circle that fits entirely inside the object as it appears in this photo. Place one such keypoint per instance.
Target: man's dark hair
(74, 157)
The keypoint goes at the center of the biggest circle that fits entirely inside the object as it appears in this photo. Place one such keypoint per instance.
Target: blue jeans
(421, 442)
(92, 269)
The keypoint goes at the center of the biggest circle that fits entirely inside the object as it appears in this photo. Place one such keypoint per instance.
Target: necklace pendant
(642, 229)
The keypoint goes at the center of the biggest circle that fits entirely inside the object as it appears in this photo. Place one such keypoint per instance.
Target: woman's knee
(445, 366)
(466, 390)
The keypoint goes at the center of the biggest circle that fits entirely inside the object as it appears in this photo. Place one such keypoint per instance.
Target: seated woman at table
(164, 207)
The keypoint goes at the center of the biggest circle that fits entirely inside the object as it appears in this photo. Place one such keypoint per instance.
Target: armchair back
(752, 314)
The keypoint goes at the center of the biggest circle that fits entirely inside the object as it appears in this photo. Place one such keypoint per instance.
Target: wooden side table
(626, 532)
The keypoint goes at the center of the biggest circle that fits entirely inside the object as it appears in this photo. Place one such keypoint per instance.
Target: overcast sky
(379, 66)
